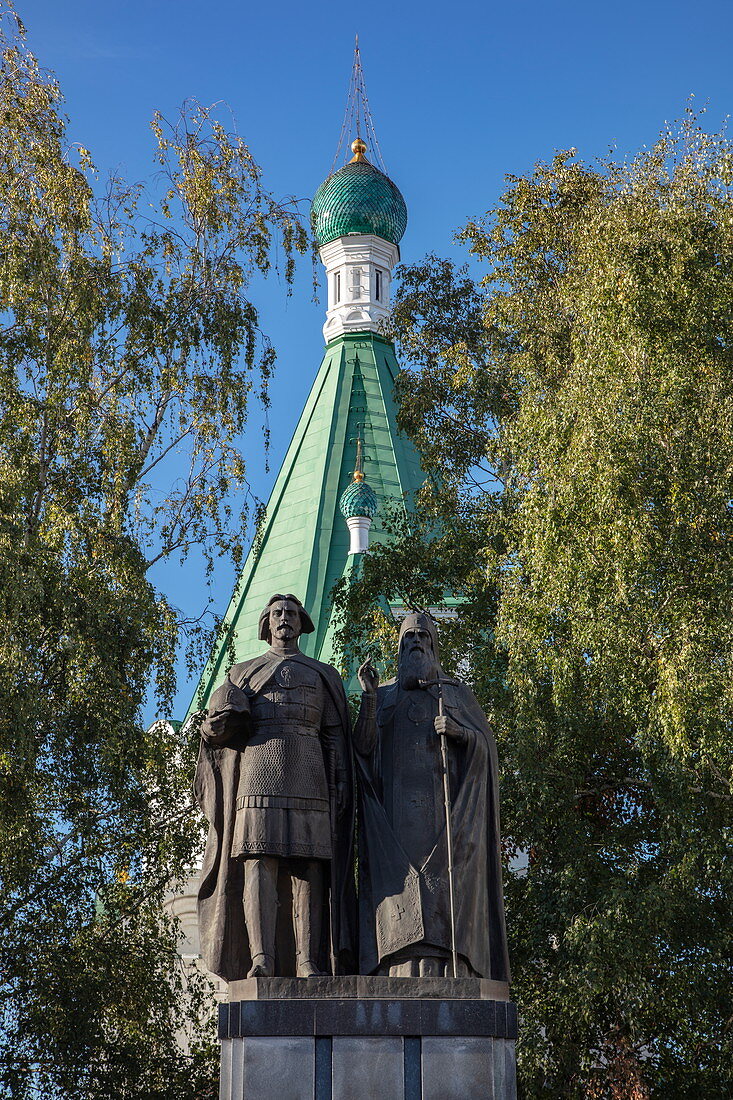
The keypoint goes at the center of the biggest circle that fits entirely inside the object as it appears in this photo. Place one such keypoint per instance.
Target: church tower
(347, 462)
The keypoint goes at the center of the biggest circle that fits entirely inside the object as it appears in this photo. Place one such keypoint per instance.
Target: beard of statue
(417, 663)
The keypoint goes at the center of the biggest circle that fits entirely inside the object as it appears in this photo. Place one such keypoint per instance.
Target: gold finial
(358, 148)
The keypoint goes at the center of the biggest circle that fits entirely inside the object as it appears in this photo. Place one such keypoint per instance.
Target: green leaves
(130, 351)
(576, 407)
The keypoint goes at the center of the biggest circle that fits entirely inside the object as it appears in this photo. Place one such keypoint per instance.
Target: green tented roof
(305, 539)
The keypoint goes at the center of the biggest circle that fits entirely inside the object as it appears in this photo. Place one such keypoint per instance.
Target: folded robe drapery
(392, 915)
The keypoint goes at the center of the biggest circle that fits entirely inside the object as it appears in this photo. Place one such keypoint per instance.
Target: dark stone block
(500, 1021)
(324, 1069)
(469, 1018)
(233, 1024)
(276, 1018)
(367, 1017)
(413, 1069)
(488, 1013)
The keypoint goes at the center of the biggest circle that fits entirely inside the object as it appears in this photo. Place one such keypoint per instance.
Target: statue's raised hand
(368, 677)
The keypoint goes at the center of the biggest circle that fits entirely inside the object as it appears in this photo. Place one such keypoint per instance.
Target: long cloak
(390, 906)
(222, 929)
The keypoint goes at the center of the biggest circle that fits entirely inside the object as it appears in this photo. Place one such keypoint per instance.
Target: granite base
(350, 1038)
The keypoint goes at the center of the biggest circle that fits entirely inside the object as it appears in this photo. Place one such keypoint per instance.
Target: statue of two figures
(281, 778)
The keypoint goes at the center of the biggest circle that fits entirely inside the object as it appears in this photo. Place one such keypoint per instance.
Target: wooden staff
(448, 822)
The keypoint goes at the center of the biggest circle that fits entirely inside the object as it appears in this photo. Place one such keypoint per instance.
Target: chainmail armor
(283, 797)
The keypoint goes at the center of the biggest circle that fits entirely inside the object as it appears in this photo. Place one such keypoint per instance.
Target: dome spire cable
(358, 117)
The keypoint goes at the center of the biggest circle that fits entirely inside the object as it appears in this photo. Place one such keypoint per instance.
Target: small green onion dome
(358, 500)
(358, 199)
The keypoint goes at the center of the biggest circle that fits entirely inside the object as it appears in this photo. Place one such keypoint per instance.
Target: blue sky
(462, 94)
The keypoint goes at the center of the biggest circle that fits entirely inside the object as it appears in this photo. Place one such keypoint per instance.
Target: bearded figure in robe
(404, 895)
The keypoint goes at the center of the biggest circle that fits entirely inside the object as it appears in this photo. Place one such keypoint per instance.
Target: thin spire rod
(357, 116)
(359, 467)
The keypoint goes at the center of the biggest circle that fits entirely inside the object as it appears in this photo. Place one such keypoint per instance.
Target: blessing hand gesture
(368, 677)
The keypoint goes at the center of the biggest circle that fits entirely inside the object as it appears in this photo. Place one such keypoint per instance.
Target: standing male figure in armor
(275, 781)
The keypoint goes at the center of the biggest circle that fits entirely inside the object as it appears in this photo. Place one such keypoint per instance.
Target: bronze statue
(274, 779)
(430, 897)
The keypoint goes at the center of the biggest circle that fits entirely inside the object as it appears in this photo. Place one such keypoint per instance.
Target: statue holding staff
(407, 924)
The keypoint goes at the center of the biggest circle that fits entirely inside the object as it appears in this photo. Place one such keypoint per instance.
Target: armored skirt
(283, 795)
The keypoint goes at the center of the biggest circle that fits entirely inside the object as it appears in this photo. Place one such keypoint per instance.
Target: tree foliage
(129, 354)
(577, 405)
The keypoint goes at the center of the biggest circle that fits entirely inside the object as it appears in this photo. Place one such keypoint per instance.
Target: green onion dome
(358, 500)
(358, 199)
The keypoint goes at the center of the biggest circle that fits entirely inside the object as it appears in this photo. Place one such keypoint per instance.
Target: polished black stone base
(361, 1038)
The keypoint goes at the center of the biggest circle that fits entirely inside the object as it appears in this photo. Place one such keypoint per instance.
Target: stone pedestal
(368, 1038)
